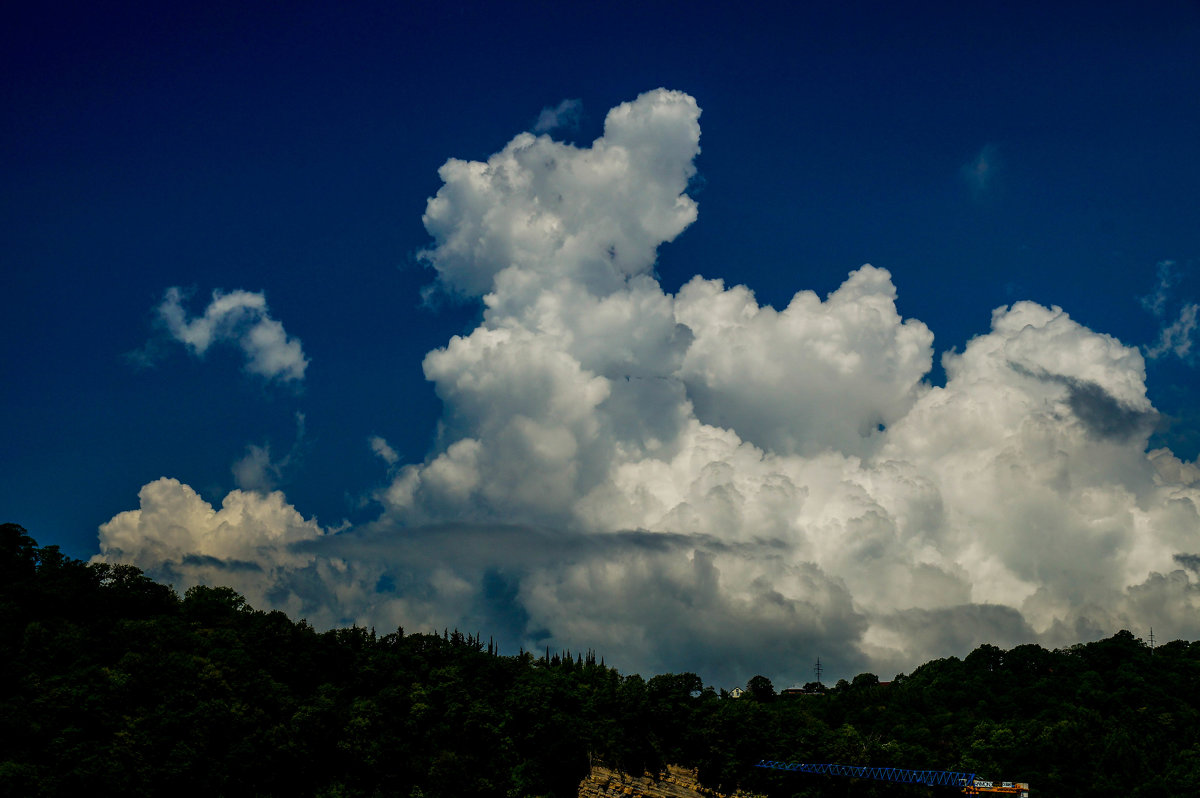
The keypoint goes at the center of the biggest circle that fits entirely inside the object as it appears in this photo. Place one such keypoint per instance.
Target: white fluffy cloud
(240, 318)
(177, 535)
(695, 481)
(816, 375)
(540, 210)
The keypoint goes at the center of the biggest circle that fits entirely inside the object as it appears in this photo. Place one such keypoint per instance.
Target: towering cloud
(541, 212)
(696, 481)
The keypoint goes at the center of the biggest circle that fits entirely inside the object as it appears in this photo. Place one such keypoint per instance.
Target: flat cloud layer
(694, 481)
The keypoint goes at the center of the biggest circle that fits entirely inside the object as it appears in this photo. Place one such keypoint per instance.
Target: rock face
(675, 782)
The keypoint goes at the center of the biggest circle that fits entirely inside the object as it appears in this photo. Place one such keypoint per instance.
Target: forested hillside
(112, 684)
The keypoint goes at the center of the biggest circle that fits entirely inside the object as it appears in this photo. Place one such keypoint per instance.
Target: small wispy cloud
(1177, 336)
(566, 114)
(257, 471)
(1156, 301)
(980, 172)
(383, 450)
(241, 318)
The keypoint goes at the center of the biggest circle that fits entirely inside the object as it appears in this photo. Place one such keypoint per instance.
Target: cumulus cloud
(816, 375)
(178, 536)
(696, 481)
(240, 318)
(542, 210)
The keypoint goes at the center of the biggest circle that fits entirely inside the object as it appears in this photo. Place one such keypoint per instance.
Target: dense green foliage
(1109, 718)
(113, 684)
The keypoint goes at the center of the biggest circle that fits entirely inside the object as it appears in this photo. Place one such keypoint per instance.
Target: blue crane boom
(930, 778)
(967, 782)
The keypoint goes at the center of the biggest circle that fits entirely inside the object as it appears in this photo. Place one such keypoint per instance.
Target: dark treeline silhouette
(112, 684)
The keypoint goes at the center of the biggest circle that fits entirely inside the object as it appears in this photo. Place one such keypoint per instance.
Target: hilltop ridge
(114, 684)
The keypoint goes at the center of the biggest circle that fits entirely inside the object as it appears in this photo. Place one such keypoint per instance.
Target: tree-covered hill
(112, 684)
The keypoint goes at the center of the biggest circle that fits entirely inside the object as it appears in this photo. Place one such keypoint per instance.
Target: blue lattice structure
(967, 782)
(930, 778)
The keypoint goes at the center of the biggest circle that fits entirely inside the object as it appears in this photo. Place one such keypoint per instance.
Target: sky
(713, 339)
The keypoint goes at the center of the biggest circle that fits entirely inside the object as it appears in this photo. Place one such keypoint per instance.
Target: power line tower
(1151, 641)
(817, 670)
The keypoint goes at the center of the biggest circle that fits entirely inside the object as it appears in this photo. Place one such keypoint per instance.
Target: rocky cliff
(675, 782)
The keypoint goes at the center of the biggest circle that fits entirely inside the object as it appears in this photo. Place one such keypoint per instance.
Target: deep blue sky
(290, 148)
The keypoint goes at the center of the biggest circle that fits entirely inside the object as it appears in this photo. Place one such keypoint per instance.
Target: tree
(760, 688)
(213, 605)
(18, 554)
(865, 680)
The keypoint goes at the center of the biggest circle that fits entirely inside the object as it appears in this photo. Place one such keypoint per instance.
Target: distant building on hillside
(736, 692)
(812, 688)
